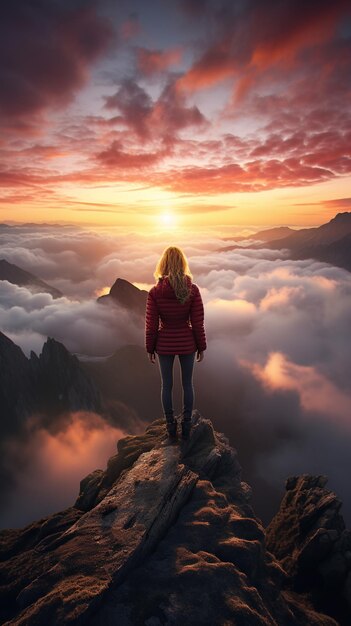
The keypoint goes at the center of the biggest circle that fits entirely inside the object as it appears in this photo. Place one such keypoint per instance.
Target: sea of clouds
(275, 378)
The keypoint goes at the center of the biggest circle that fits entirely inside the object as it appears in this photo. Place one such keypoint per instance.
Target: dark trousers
(166, 362)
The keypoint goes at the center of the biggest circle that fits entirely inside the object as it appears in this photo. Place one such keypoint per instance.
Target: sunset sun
(168, 219)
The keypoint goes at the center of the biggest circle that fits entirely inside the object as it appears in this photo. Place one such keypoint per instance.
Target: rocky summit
(164, 535)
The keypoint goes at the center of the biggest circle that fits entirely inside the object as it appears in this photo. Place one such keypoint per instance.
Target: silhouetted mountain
(20, 277)
(50, 384)
(328, 233)
(17, 386)
(165, 535)
(329, 242)
(125, 294)
(61, 383)
(270, 234)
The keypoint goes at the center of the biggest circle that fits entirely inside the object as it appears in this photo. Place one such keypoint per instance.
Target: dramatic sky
(175, 114)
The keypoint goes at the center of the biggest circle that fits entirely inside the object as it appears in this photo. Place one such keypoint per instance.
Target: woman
(174, 325)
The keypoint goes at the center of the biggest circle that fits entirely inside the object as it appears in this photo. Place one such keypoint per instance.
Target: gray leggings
(166, 362)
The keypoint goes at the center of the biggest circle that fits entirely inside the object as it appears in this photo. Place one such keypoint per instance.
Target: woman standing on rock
(174, 325)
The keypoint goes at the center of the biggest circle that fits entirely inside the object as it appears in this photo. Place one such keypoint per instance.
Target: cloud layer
(275, 377)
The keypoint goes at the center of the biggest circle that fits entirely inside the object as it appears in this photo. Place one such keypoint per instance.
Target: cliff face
(165, 535)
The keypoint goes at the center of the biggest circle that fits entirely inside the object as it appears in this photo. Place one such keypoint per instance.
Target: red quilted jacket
(172, 327)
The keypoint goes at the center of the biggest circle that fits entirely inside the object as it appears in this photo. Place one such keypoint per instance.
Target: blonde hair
(173, 263)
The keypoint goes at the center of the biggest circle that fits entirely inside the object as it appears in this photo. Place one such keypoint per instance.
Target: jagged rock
(309, 537)
(17, 397)
(62, 385)
(127, 295)
(49, 384)
(167, 536)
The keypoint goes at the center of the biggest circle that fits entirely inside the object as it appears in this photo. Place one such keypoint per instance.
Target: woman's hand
(152, 357)
(200, 356)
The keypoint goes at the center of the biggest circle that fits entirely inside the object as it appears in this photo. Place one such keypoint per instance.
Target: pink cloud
(115, 156)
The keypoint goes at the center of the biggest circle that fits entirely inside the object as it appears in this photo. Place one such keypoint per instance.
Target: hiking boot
(171, 427)
(186, 427)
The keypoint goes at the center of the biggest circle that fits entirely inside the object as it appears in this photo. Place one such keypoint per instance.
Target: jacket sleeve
(197, 320)
(151, 323)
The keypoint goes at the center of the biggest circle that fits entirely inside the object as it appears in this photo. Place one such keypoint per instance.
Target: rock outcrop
(309, 538)
(165, 535)
(126, 295)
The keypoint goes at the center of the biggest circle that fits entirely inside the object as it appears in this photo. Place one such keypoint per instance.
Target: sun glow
(102, 291)
(168, 219)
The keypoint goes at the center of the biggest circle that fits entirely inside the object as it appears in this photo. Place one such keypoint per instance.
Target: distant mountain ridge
(329, 242)
(270, 234)
(326, 234)
(18, 276)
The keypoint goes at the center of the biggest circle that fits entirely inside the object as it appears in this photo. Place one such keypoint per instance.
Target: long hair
(173, 264)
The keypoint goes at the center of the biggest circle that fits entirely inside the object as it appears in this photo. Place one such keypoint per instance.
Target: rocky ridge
(163, 526)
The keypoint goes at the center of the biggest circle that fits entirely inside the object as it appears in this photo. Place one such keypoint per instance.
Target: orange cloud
(76, 447)
(214, 67)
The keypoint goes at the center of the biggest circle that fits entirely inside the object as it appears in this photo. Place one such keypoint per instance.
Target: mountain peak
(126, 295)
(146, 537)
(344, 217)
